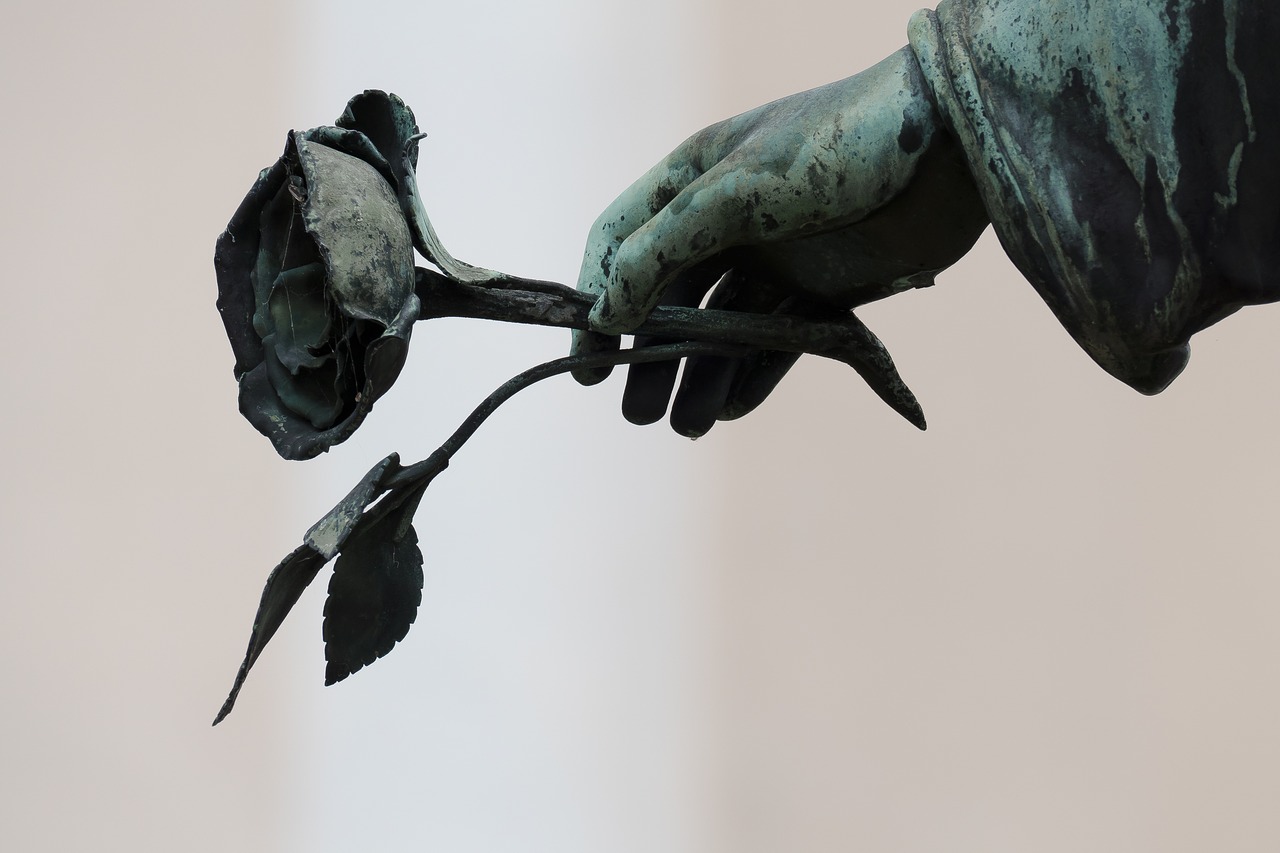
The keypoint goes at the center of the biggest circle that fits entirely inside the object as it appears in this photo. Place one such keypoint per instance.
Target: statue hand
(810, 205)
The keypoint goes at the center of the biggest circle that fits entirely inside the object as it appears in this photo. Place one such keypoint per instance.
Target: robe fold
(1128, 152)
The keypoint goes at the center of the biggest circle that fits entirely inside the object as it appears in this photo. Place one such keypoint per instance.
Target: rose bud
(316, 278)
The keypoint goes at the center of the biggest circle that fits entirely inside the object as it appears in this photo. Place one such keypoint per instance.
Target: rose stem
(414, 475)
(516, 300)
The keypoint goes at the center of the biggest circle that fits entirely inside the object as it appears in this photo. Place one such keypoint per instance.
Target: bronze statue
(1120, 148)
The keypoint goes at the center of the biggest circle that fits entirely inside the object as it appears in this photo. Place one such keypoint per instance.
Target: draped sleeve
(1128, 152)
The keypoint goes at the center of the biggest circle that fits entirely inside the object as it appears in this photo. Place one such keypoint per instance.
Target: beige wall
(1048, 623)
(136, 513)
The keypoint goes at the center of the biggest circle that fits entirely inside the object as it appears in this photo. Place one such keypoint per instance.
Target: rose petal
(388, 123)
(313, 394)
(279, 216)
(385, 357)
(355, 144)
(300, 316)
(234, 259)
(292, 436)
(354, 217)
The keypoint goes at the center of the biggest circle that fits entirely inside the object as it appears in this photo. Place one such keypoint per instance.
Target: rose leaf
(329, 533)
(374, 592)
(284, 586)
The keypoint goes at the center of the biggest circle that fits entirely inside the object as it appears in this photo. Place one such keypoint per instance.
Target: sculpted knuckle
(626, 260)
(601, 232)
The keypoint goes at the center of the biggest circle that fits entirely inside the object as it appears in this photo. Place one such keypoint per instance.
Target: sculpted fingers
(771, 186)
(628, 212)
(709, 382)
(585, 343)
(649, 386)
(701, 221)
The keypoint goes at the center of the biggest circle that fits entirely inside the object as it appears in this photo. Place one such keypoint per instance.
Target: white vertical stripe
(551, 695)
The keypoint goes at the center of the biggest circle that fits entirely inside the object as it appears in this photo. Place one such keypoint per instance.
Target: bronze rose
(316, 278)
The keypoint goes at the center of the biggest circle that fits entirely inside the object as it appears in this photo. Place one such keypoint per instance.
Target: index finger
(631, 210)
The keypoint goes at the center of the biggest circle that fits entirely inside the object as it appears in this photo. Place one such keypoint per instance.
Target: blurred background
(1048, 623)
